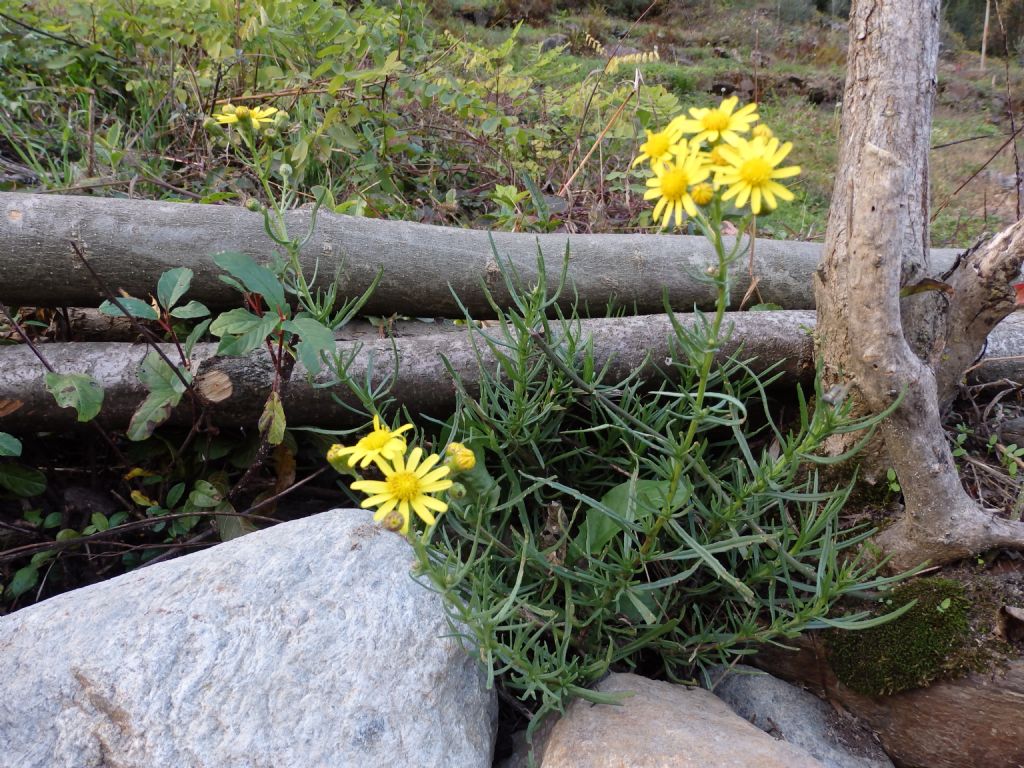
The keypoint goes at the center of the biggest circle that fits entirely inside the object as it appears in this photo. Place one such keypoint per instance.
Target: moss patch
(929, 641)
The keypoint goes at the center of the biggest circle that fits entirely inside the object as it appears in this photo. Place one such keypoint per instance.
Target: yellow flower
(379, 446)
(752, 172)
(718, 123)
(703, 193)
(761, 131)
(256, 115)
(671, 184)
(406, 485)
(659, 146)
(460, 458)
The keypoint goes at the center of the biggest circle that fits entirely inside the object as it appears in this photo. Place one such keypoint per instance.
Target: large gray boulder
(307, 644)
(801, 718)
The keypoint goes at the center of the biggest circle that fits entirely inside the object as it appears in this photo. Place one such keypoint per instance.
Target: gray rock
(660, 725)
(304, 645)
(801, 718)
(555, 41)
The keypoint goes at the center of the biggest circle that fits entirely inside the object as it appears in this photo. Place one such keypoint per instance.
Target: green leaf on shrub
(190, 311)
(232, 526)
(21, 480)
(272, 422)
(134, 307)
(172, 286)
(78, 391)
(241, 331)
(633, 501)
(9, 445)
(255, 278)
(165, 391)
(24, 580)
(315, 338)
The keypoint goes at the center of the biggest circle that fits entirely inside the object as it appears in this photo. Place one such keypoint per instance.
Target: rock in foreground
(307, 644)
(663, 725)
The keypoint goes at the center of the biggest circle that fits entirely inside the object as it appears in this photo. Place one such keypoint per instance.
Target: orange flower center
(756, 171)
(404, 486)
(674, 184)
(715, 120)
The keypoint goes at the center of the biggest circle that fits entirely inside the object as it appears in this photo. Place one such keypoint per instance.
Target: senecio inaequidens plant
(664, 521)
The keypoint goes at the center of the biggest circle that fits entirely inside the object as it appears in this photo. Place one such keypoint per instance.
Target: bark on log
(130, 242)
(964, 723)
(423, 383)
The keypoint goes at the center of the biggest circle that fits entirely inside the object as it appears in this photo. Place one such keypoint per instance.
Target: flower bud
(285, 170)
(457, 492)
(252, 204)
(702, 194)
(460, 458)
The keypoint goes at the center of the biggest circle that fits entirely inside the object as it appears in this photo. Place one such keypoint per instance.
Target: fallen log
(131, 242)
(240, 385)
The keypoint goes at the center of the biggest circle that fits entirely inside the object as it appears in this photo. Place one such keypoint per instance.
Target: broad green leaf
(315, 338)
(9, 445)
(174, 494)
(255, 278)
(272, 422)
(172, 286)
(241, 331)
(151, 414)
(134, 307)
(21, 480)
(190, 311)
(204, 495)
(78, 391)
(159, 377)
(647, 497)
(24, 579)
(232, 526)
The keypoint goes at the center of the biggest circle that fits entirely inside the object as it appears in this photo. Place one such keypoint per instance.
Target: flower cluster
(410, 478)
(689, 171)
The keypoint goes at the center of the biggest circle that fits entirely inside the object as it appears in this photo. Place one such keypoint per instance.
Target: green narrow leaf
(197, 333)
(21, 480)
(255, 278)
(134, 307)
(78, 391)
(172, 286)
(9, 445)
(272, 421)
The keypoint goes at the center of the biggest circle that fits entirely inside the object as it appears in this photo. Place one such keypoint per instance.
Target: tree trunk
(875, 243)
(130, 242)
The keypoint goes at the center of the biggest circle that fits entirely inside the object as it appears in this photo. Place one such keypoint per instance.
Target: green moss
(929, 641)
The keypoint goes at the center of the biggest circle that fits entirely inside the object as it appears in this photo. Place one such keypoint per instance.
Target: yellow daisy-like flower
(718, 123)
(753, 169)
(761, 131)
(671, 185)
(460, 458)
(379, 446)
(255, 116)
(660, 146)
(407, 484)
